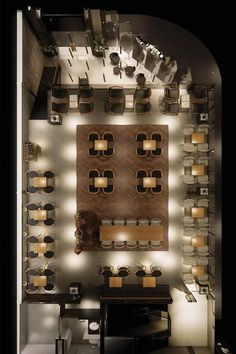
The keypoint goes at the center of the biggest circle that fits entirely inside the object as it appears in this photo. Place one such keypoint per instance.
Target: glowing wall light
(173, 152)
(67, 232)
(69, 206)
(89, 304)
(49, 322)
(73, 261)
(119, 258)
(68, 151)
(174, 207)
(173, 180)
(68, 180)
(71, 123)
(173, 233)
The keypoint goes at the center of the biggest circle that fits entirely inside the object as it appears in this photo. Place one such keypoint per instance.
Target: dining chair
(106, 244)
(49, 174)
(131, 244)
(143, 244)
(156, 271)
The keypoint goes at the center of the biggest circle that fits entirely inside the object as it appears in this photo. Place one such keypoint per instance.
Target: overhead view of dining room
(122, 187)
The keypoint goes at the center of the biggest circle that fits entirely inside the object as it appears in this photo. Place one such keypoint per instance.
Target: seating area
(39, 181)
(101, 145)
(64, 100)
(136, 233)
(148, 146)
(101, 181)
(40, 214)
(113, 276)
(150, 182)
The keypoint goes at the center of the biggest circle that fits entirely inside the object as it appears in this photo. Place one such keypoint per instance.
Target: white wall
(42, 320)
(211, 324)
(188, 320)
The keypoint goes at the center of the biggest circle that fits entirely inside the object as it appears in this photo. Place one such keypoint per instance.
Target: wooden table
(40, 280)
(149, 145)
(198, 212)
(100, 182)
(100, 145)
(185, 101)
(198, 270)
(198, 138)
(40, 182)
(129, 101)
(149, 182)
(73, 101)
(198, 241)
(40, 214)
(39, 247)
(131, 233)
(198, 170)
(149, 282)
(115, 282)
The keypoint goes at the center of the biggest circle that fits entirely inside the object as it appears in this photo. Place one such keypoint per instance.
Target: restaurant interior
(119, 146)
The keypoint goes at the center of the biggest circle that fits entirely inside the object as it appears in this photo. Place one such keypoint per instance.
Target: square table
(198, 170)
(73, 104)
(129, 101)
(198, 270)
(198, 212)
(198, 241)
(40, 182)
(40, 214)
(198, 138)
(149, 145)
(73, 101)
(149, 282)
(39, 247)
(100, 145)
(149, 182)
(115, 282)
(185, 101)
(100, 182)
(40, 280)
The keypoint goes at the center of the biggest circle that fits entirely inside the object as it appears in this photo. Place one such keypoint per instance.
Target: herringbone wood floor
(124, 202)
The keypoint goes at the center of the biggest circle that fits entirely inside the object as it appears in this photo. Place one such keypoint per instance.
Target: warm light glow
(171, 121)
(68, 151)
(173, 180)
(89, 304)
(49, 322)
(122, 120)
(73, 261)
(69, 206)
(67, 232)
(173, 151)
(174, 207)
(68, 180)
(50, 308)
(119, 258)
(70, 123)
(171, 261)
(122, 236)
(43, 163)
(173, 233)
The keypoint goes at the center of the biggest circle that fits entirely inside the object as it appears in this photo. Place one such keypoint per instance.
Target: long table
(131, 233)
